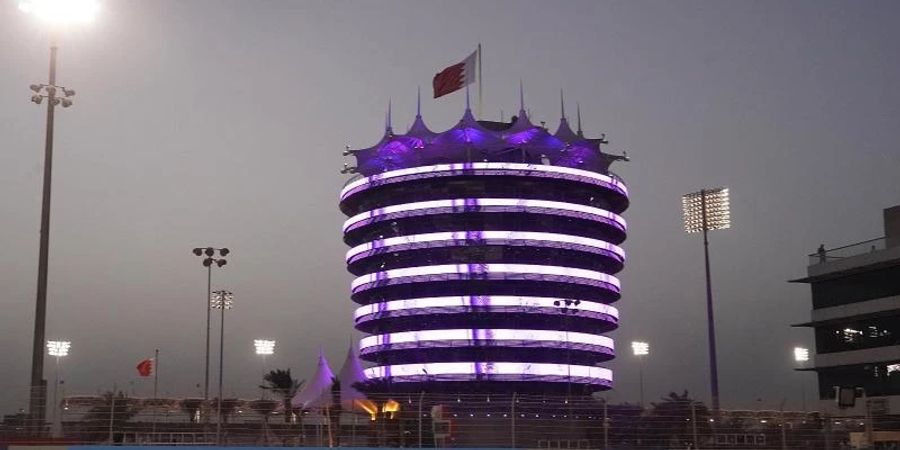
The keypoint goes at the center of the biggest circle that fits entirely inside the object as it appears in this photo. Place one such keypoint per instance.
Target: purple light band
(483, 168)
(463, 205)
(448, 272)
(495, 336)
(503, 370)
(541, 305)
(462, 238)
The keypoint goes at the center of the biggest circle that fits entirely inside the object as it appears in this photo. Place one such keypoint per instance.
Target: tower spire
(562, 105)
(521, 97)
(467, 99)
(578, 107)
(419, 101)
(387, 119)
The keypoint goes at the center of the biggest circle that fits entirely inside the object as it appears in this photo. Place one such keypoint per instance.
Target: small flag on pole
(455, 77)
(145, 367)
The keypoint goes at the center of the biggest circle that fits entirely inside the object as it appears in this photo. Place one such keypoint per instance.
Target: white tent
(350, 374)
(317, 392)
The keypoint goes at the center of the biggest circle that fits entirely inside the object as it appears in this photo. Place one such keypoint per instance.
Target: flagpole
(479, 80)
(156, 374)
(155, 391)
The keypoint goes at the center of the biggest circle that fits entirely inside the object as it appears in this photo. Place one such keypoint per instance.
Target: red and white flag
(145, 367)
(455, 77)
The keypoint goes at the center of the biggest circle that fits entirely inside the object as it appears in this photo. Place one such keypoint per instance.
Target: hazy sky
(222, 123)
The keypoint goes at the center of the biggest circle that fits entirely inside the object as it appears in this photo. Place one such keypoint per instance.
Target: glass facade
(877, 379)
(858, 335)
(855, 288)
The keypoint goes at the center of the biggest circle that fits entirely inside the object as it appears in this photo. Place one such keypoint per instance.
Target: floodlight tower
(221, 300)
(706, 210)
(209, 260)
(54, 14)
(264, 348)
(801, 357)
(57, 349)
(641, 350)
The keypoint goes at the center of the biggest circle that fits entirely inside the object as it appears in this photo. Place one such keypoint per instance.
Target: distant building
(856, 318)
(485, 258)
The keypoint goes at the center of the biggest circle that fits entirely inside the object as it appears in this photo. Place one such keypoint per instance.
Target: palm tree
(672, 419)
(284, 386)
(115, 404)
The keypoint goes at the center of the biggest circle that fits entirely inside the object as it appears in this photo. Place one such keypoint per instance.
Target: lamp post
(57, 349)
(801, 357)
(54, 13)
(208, 254)
(706, 210)
(640, 350)
(221, 300)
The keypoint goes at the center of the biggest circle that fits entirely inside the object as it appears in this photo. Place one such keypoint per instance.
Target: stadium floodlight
(704, 211)
(221, 300)
(801, 354)
(58, 348)
(640, 348)
(264, 347)
(55, 13)
(61, 12)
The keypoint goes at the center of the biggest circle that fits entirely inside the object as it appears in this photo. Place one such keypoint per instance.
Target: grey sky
(222, 122)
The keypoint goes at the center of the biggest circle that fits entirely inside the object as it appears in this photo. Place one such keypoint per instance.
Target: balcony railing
(829, 255)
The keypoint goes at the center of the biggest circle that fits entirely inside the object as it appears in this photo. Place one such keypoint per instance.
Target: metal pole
(112, 414)
(710, 321)
(38, 397)
(421, 398)
(54, 409)
(783, 429)
(208, 312)
(221, 366)
(605, 426)
(156, 374)
(694, 424)
(155, 391)
(641, 377)
(479, 80)
(513, 416)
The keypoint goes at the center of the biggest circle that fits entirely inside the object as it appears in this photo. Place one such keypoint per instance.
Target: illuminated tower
(485, 257)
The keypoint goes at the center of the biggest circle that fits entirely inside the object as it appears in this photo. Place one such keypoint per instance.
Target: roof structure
(471, 140)
(351, 374)
(317, 392)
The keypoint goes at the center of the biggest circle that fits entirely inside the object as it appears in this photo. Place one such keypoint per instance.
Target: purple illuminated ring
(499, 303)
(507, 238)
(502, 205)
(498, 371)
(496, 337)
(500, 271)
(483, 168)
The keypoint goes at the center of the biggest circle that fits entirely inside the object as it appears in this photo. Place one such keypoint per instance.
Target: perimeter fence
(445, 420)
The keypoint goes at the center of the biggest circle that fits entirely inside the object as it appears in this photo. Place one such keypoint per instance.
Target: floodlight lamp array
(58, 348)
(707, 209)
(640, 348)
(264, 346)
(221, 299)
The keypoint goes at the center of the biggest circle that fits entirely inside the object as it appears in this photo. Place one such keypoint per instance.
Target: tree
(282, 384)
(108, 417)
(671, 424)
